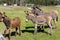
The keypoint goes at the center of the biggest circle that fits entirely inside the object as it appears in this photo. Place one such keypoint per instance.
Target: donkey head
(1, 17)
(27, 13)
(29, 16)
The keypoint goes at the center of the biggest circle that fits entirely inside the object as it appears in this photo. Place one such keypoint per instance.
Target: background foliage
(41, 2)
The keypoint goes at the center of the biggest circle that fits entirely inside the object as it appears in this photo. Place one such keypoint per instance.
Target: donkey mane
(6, 21)
(32, 15)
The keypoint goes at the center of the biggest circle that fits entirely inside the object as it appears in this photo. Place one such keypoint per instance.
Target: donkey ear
(3, 12)
(26, 12)
(0, 12)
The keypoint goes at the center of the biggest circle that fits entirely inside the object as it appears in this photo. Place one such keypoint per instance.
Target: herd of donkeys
(37, 16)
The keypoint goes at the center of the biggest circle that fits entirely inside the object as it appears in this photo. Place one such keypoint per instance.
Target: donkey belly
(41, 22)
(15, 25)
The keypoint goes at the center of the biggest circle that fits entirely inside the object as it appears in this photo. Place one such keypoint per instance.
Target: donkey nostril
(2, 17)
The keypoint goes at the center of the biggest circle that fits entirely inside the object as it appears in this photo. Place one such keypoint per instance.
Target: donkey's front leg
(42, 27)
(35, 31)
(5, 32)
(9, 33)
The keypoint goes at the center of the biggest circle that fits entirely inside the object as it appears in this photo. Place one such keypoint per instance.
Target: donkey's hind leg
(50, 29)
(19, 31)
(16, 31)
(55, 25)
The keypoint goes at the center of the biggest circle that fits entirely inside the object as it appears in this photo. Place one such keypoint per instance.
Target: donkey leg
(55, 23)
(16, 31)
(5, 32)
(35, 31)
(42, 27)
(50, 29)
(9, 33)
(19, 31)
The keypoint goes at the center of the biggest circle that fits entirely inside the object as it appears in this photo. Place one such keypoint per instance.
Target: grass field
(28, 28)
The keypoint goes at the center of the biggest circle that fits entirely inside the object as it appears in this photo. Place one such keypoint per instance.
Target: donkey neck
(6, 21)
(33, 19)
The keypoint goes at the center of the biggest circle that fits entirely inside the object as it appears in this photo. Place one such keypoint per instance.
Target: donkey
(11, 23)
(52, 13)
(42, 19)
(36, 11)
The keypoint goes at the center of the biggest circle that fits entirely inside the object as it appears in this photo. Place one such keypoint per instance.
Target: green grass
(12, 12)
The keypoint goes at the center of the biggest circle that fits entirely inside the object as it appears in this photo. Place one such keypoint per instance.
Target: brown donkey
(42, 19)
(11, 23)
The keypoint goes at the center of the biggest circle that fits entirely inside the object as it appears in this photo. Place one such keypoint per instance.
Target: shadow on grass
(32, 31)
(38, 27)
(29, 31)
(12, 34)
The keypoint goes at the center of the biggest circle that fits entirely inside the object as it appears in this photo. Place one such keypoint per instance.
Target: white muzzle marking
(26, 19)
